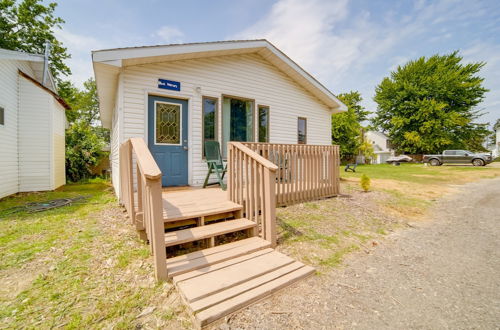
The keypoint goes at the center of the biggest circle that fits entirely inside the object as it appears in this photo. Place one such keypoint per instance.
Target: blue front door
(168, 138)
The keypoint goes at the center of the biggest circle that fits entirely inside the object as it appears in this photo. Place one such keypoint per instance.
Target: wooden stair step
(220, 265)
(188, 210)
(202, 232)
(229, 301)
(221, 296)
(199, 287)
(207, 257)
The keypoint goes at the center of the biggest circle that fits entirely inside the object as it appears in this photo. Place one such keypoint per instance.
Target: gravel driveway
(438, 274)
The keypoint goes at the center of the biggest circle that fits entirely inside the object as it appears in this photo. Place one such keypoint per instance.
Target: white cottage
(178, 96)
(32, 124)
(381, 146)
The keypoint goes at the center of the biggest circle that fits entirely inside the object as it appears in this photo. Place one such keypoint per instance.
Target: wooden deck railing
(305, 172)
(147, 213)
(251, 183)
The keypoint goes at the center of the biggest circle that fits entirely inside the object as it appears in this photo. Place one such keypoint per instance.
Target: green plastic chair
(214, 163)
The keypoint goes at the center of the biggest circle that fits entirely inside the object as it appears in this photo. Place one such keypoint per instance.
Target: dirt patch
(439, 275)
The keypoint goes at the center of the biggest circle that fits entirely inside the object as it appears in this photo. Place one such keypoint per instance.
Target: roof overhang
(108, 63)
(36, 62)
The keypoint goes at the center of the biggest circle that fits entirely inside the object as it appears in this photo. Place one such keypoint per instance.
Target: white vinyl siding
(114, 153)
(248, 76)
(9, 95)
(59, 145)
(35, 138)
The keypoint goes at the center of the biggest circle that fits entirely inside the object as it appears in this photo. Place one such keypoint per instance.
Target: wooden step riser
(173, 224)
(247, 298)
(203, 232)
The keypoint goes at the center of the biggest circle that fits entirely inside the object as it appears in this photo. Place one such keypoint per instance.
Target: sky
(346, 45)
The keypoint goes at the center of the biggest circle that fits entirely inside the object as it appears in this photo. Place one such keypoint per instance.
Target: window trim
(258, 122)
(305, 120)
(216, 122)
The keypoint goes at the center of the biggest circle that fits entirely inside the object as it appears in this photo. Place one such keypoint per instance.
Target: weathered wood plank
(207, 257)
(196, 288)
(231, 305)
(220, 297)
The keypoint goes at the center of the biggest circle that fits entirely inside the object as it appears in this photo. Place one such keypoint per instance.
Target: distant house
(496, 149)
(381, 146)
(32, 124)
(176, 97)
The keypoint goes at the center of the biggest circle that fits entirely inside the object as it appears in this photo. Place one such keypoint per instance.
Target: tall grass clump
(365, 182)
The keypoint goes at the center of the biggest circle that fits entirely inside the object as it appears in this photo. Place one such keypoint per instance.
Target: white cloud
(303, 29)
(169, 34)
(348, 49)
(489, 53)
(80, 47)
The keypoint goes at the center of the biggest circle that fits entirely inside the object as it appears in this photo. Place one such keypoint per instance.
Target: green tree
(27, 25)
(353, 101)
(428, 104)
(84, 103)
(85, 138)
(366, 149)
(83, 150)
(346, 127)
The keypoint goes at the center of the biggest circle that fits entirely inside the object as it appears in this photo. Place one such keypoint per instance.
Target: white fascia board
(6, 54)
(150, 51)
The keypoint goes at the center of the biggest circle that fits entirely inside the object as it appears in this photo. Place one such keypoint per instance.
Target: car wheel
(434, 162)
(478, 162)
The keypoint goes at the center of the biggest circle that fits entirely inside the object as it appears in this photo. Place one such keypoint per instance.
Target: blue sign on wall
(169, 84)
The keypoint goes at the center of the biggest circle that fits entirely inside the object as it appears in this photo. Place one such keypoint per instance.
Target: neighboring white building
(177, 96)
(32, 124)
(496, 150)
(381, 146)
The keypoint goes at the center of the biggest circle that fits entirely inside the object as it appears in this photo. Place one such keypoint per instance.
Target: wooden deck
(220, 279)
(189, 205)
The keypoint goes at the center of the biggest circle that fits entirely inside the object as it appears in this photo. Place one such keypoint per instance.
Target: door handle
(185, 148)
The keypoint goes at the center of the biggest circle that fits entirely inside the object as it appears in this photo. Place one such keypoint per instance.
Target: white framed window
(237, 121)
(209, 114)
(263, 123)
(302, 130)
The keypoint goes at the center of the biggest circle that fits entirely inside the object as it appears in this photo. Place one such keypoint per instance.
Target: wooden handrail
(147, 213)
(146, 162)
(252, 154)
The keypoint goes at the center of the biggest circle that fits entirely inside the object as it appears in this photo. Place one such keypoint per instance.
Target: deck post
(270, 206)
(158, 230)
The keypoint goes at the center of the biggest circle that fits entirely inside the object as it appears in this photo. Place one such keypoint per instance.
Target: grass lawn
(320, 233)
(421, 174)
(83, 266)
(79, 266)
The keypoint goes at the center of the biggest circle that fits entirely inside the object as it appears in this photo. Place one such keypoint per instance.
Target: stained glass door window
(168, 123)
